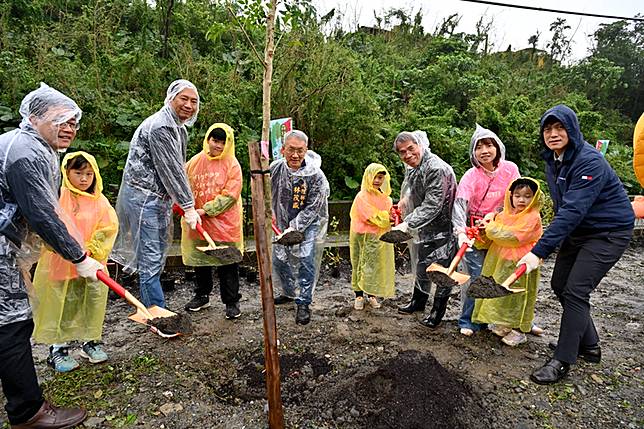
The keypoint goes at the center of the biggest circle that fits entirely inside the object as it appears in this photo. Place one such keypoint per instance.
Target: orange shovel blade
(155, 311)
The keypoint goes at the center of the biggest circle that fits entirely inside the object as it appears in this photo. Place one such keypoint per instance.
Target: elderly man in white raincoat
(154, 177)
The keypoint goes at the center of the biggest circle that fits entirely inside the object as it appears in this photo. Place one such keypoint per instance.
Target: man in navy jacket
(593, 225)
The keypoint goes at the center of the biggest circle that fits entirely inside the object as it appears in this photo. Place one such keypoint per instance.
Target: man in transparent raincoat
(154, 177)
(300, 194)
(29, 182)
(426, 201)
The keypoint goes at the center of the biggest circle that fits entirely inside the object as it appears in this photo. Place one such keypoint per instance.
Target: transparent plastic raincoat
(426, 202)
(512, 236)
(66, 306)
(372, 260)
(29, 182)
(154, 177)
(216, 184)
(299, 201)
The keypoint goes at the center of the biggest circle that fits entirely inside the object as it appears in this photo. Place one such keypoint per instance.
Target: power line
(543, 9)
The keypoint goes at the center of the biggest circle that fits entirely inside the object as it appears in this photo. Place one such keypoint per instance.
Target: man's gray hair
(296, 134)
(418, 137)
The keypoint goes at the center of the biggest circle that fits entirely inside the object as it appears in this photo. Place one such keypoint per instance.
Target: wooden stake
(262, 249)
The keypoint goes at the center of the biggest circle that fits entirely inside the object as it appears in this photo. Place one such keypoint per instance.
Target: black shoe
(233, 311)
(303, 314)
(197, 303)
(282, 299)
(551, 372)
(417, 303)
(591, 354)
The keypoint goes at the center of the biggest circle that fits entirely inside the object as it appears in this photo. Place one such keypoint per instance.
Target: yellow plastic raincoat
(216, 183)
(372, 260)
(512, 236)
(67, 307)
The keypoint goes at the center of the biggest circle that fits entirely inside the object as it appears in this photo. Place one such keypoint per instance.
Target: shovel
(486, 287)
(448, 277)
(226, 254)
(395, 236)
(163, 322)
(291, 238)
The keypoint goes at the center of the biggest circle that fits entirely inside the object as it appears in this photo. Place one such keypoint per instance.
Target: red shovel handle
(179, 211)
(276, 229)
(102, 276)
(516, 275)
(457, 258)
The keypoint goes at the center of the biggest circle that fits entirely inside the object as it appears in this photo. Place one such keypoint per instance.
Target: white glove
(88, 267)
(192, 218)
(286, 231)
(402, 226)
(531, 262)
(463, 238)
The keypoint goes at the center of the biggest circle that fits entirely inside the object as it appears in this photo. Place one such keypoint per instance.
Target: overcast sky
(511, 26)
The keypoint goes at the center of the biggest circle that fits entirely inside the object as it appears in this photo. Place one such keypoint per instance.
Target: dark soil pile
(486, 287)
(291, 238)
(172, 325)
(414, 391)
(441, 280)
(395, 236)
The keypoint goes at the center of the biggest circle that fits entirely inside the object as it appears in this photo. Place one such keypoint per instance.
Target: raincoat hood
(229, 148)
(39, 102)
(568, 118)
(370, 173)
(98, 186)
(482, 133)
(173, 90)
(535, 204)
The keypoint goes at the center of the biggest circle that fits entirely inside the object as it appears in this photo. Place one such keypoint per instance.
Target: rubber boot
(437, 312)
(417, 303)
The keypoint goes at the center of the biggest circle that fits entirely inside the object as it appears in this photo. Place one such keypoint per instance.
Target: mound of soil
(441, 280)
(395, 236)
(173, 324)
(486, 287)
(413, 390)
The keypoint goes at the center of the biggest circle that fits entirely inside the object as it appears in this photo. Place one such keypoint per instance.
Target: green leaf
(350, 182)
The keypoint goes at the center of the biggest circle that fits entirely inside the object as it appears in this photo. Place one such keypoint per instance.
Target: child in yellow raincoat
(372, 260)
(215, 178)
(68, 307)
(513, 233)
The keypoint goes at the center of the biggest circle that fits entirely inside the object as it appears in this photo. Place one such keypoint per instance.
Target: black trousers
(228, 282)
(19, 381)
(582, 262)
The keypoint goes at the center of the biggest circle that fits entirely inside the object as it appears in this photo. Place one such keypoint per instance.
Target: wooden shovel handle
(457, 258)
(123, 293)
(515, 276)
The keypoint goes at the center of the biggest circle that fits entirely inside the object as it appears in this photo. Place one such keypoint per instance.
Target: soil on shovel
(395, 236)
(177, 324)
(413, 389)
(486, 287)
(441, 280)
(291, 238)
(226, 254)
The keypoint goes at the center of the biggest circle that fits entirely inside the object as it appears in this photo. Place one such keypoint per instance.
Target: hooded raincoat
(638, 150)
(216, 183)
(299, 201)
(426, 201)
(29, 183)
(68, 307)
(154, 177)
(512, 235)
(372, 260)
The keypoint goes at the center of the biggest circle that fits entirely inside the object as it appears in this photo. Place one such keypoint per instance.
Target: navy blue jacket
(588, 196)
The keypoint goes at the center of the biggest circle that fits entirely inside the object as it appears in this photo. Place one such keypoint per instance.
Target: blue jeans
(150, 221)
(474, 263)
(295, 266)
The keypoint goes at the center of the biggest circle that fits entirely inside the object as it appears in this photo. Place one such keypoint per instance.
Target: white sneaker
(373, 302)
(467, 332)
(500, 330)
(514, 338)
(359, 303)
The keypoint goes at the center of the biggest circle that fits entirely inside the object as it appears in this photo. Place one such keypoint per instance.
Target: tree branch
(250, 41)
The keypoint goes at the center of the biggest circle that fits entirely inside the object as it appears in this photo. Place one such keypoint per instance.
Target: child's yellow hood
(98, 187)
(229, 148)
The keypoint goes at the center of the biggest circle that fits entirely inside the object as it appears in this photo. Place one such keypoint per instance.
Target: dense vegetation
(351, 92)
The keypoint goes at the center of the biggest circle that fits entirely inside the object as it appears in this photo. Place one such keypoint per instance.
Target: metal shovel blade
(226, 254)
(395, 236)
(438, 274)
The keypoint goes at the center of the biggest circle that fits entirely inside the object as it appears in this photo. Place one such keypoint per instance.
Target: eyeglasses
(72, 126)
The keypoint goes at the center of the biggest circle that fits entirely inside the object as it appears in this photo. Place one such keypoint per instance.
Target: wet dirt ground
(360, 369)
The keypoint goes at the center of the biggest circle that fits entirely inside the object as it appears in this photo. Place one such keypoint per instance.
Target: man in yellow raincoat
(215, 178)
